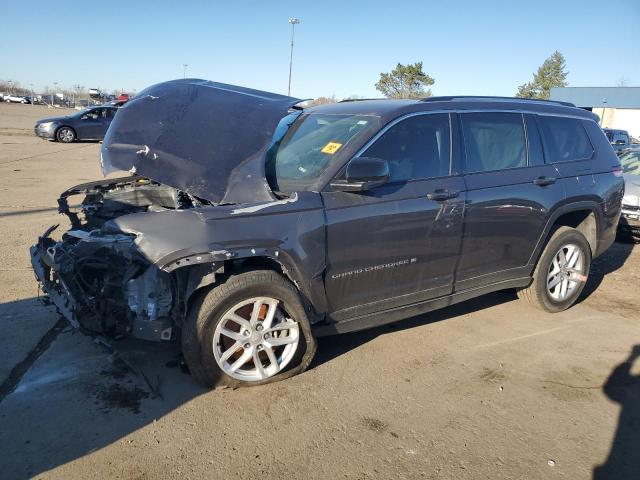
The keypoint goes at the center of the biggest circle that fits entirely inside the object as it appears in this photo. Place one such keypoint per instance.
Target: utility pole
(184, 70)
(55, 92)
(293, 21)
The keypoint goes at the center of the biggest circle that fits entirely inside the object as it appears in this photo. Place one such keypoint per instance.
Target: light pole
(55, 92)
(33, 98)
(604, 105)
(184, 70)
(293, 21)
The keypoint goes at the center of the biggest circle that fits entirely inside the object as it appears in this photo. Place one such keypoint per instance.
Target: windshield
(631, 163)
(313, 144)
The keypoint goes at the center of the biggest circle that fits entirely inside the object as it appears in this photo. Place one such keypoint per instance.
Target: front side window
(565, 139)
(312, 144)
(415, 148)
(493, 141)
(92, 114)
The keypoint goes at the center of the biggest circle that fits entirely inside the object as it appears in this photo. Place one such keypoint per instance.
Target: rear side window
(565, 139)
(493, 141)
(415, 148)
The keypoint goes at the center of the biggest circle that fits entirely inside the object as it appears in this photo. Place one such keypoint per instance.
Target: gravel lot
(486, 389)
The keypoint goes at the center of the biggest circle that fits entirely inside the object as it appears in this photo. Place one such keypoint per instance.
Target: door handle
(544, 181)
(440, 195)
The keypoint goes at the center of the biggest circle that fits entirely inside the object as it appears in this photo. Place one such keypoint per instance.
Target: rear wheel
(66, 135)
(251, 330)
(561, 272)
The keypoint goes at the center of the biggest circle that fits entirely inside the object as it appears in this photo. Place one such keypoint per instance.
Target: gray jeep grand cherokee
(249, 226)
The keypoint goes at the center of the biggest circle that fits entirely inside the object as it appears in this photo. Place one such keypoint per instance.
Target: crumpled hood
(205, 138)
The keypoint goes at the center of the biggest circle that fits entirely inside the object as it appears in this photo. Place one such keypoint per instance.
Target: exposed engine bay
(99, 280)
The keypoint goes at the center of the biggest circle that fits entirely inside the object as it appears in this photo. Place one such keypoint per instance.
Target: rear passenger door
(510, 192)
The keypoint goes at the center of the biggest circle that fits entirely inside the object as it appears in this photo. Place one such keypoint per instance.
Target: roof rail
(483, 97)
(360, 99)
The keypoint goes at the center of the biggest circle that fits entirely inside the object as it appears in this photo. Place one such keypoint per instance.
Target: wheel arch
(75, 133)
(196, 279)
(584, 216)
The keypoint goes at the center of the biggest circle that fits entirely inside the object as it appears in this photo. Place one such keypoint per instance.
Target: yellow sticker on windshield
(331, 148)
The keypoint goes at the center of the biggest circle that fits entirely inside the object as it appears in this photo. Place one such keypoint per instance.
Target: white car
(16, 99)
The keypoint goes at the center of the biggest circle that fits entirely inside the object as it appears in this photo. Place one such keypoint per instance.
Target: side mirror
(363, 173)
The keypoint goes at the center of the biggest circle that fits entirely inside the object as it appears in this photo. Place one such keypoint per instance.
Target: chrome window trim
(455, 111)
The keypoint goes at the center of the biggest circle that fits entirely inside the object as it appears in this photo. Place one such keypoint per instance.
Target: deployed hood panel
(205, 138)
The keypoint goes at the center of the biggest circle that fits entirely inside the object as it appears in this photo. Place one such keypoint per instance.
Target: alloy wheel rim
(565, 272)
(66, 135)
(255, 339)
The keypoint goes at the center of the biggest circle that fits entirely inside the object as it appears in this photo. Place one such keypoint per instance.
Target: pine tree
(405, 81)
(551, 73)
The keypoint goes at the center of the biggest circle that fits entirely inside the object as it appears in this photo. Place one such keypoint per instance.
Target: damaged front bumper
(99, 283)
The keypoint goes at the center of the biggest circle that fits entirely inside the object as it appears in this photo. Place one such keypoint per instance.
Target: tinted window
(494, 141)
(565, 139)
(415, 148)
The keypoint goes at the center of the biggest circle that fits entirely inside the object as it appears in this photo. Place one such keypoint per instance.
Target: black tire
(66, 135)
(537, 293)
(207, 310)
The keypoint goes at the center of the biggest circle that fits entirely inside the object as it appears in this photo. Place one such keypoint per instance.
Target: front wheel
(252, 329)
(66, 135)
(561, 272)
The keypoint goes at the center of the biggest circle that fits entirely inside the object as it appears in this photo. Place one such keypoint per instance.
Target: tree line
(410, 81)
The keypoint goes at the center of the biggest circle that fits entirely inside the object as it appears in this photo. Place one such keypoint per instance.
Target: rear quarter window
(565, 139)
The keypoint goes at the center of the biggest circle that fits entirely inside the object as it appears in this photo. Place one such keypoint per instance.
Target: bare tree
(323, 100)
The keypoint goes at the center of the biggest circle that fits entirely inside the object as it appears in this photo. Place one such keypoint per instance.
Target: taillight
(617, 171)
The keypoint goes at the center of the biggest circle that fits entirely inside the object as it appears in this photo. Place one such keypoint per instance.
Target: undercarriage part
(150, 298)
(112, 198)
(102, 283)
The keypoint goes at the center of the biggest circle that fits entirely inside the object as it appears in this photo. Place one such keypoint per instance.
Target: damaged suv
(248, 226)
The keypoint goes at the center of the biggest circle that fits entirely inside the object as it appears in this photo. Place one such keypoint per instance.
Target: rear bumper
(630, 217)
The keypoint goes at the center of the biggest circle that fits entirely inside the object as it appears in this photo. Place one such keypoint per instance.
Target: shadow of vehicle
(74, 393)
(610, 261)
(623, 462)
(336, 345)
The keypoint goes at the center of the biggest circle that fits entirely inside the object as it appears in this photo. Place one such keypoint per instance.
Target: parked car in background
(251, 227)
(630, 161)
(88, 124)
(619, 139)
(17, 99)
(631, 148)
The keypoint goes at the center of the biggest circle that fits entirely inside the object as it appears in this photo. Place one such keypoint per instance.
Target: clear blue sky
(469, 47)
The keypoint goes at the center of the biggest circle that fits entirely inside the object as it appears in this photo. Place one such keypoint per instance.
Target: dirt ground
(486, 389)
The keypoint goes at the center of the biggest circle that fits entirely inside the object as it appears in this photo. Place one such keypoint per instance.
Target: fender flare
(590, 205)
(214, 262)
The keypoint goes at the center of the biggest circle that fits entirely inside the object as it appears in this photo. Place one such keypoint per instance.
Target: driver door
(91, 124)
(397, 243)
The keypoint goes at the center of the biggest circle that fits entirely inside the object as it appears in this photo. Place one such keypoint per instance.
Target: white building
(617, 107)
